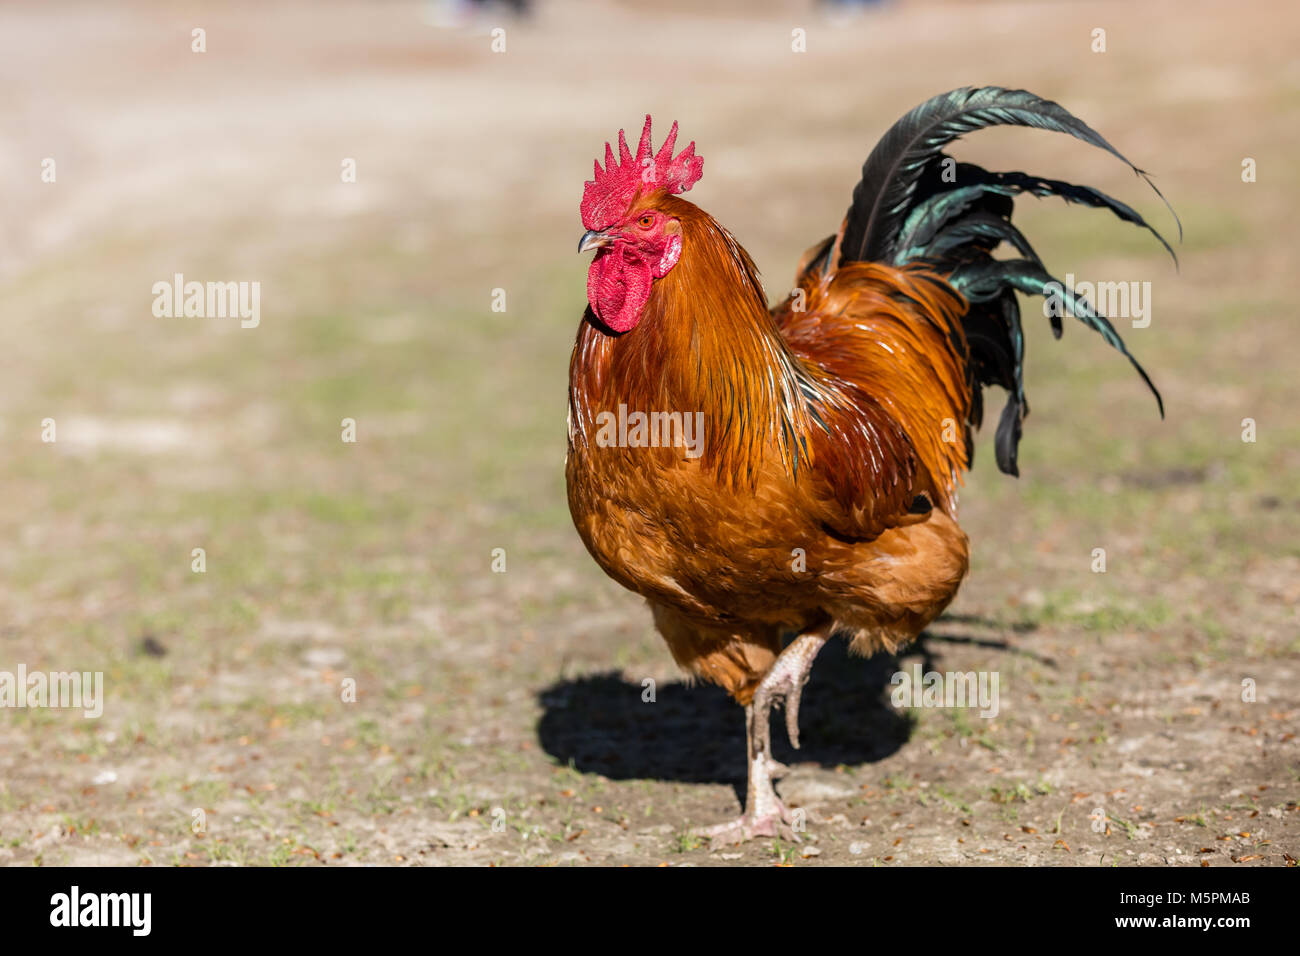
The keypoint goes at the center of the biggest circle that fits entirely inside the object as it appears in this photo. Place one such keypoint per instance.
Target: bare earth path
(1148, 714)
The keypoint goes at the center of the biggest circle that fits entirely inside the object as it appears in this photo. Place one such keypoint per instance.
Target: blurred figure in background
(845, 10)
(451, 14)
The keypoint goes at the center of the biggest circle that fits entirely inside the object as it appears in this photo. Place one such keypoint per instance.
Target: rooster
(818, 496)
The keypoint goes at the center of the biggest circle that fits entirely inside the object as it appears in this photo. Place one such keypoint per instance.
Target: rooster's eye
(645, 222)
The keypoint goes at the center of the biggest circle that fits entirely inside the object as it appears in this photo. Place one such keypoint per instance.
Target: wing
(888, 397)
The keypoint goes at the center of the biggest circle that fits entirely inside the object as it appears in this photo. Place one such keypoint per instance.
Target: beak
(591, 239)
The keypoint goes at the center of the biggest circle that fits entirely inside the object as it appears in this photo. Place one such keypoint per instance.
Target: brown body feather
(830, 426)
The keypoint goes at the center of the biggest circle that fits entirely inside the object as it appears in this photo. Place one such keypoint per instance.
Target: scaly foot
(765, 815)
(783, 685)
(776, 823)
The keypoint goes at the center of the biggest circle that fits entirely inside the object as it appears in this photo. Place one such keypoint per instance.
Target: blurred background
(519, 691)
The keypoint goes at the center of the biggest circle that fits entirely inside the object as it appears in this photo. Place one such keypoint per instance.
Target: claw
(779, 823)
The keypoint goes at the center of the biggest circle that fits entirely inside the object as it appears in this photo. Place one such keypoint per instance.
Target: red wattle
(618, 286)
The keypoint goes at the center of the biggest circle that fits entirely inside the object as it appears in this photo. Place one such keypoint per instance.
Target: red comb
(606, 197)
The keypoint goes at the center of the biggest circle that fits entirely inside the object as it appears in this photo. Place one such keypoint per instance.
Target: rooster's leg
(784, 685)
(765, 814)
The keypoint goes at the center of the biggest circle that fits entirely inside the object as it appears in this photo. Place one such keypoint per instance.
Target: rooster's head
(636, 241)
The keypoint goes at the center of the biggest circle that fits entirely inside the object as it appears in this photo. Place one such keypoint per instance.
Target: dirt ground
(1148, 714)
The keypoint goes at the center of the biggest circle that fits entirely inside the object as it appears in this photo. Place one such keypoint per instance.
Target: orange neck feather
(706, 343)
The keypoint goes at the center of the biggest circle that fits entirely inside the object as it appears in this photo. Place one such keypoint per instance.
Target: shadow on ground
(694, 733)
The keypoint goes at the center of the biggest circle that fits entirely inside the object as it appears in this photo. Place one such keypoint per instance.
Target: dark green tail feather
(914, 202)
(892, 171)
